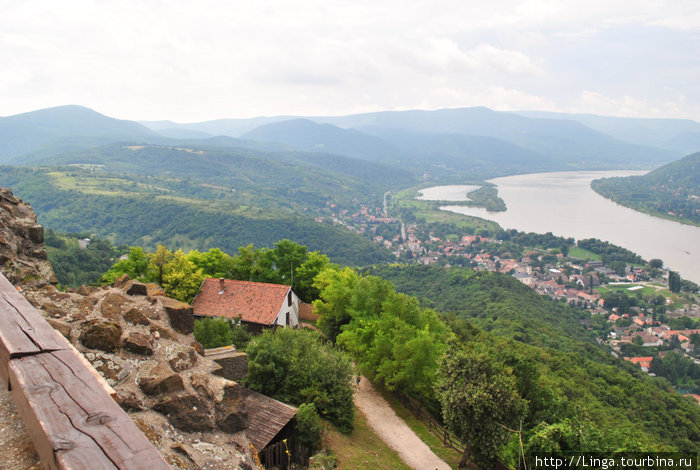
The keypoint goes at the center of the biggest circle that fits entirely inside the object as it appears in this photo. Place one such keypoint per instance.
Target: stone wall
(234, 364)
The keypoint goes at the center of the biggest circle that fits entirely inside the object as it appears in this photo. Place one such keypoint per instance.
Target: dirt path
(394, 431)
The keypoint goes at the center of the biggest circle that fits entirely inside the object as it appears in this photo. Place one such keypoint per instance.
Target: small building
(644, 362)
(256, 304)
(272, 429)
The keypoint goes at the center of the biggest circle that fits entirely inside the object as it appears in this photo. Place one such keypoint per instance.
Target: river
(564, 203)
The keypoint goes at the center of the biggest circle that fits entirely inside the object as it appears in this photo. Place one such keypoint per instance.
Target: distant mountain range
(64, 128)
(447, 142)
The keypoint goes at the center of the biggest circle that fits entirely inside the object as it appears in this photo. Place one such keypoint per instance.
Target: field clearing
(580, 253)
(644, 291)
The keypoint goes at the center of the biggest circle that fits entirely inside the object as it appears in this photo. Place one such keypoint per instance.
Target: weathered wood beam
(67, 409)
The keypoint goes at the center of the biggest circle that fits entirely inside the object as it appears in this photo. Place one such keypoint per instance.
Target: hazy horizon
(188, 62)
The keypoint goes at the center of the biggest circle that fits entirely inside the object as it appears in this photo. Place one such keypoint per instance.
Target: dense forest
(130, 214)
(579, 397)
(672, 191)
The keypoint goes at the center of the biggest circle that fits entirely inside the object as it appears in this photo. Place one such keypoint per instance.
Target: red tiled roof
(253, 302)
(644, 361)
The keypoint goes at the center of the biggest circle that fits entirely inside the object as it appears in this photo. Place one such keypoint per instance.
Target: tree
(656, 263)
(336, 288)
(296, 366)
(305, 274)
(288, 256)
(674, 282)
(213, 332)
(135, 265)
(310, 427)
(214, 263)
(158, 260)
(479, 399)
(181, 278)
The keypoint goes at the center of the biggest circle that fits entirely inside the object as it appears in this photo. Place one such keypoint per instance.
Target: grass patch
(447, 454)
(646, 290)
(580, 253)
(362, 448)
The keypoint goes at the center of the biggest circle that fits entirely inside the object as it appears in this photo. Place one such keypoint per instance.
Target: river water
(564, 203)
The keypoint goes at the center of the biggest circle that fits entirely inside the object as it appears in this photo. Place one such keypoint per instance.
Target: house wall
(293, 312)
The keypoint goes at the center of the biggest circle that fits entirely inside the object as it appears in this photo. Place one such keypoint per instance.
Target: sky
(190, 61)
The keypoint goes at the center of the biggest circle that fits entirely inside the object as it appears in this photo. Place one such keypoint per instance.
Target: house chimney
(222, 285)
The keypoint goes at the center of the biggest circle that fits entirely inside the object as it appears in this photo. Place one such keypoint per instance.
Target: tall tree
(158, 260)
(674, 281)
(479, 400)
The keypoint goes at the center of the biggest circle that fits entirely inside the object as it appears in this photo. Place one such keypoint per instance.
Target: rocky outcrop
(23, 258)
(141, 343)
(180, 314)
(101, 335)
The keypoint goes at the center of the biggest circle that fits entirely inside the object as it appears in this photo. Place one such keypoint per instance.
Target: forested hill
(580, 397)
(672, 191)
(64, 127)
(191, 213)
(494, 302)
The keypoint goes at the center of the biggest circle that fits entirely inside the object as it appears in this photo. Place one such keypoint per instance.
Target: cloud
(187, 60)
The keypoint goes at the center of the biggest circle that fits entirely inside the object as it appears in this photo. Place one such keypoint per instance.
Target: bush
(309, 426)
(213, 332)
(296, 366)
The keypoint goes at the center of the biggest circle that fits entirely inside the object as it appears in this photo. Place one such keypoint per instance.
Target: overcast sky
(193, 61)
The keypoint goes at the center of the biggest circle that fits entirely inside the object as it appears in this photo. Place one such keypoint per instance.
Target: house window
(289, 299)
(287, 323)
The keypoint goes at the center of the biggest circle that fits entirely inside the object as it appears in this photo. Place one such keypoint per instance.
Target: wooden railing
(72, 419)
(414, 406)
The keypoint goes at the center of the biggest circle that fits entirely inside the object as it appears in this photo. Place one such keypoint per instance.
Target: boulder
(53, 310)
(129, 401)
(60, 326)
(137, 288)
(139, 343)
(86, 304)
(161, 380)
(112, 305)
(87, 290)
(180, 314)
(101, 335)
(36, 233)
(121, 280)
(154, 290)
(186, 412)
(135, 316)
(182, 358)
(161, 332)
(231, 415)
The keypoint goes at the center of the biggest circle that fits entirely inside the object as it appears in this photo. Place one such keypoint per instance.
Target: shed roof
(253, 302)
(266, 418)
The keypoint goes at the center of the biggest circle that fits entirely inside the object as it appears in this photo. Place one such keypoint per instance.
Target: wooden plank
(24, 316)
(74, 420)
(105, 386)
(55, 438)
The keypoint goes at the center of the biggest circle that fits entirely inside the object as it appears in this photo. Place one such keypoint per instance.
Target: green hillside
(185, 212)
(579, 396)
(672, 191)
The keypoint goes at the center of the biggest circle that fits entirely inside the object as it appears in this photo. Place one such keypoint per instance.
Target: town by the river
(564, 203)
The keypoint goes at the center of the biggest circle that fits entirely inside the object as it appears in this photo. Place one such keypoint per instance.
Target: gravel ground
(16, 448)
